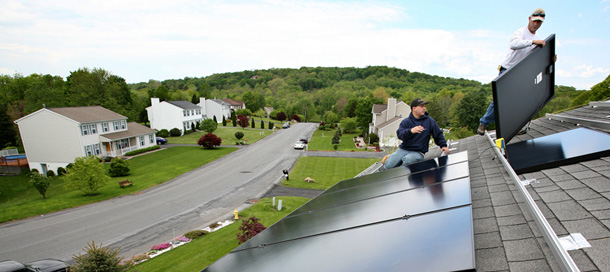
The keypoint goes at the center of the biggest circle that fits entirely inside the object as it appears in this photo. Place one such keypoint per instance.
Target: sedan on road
(299, 145)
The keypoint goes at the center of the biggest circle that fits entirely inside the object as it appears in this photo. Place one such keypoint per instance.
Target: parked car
(49, 265)
(286, 125)
(45, 265)
(304, 139)
(161, 140)
(299, 145)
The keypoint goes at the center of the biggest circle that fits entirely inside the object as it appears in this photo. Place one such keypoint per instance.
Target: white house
(215, 107)
(386, 119)
(182, 115)
(235, 105)
(55, 137)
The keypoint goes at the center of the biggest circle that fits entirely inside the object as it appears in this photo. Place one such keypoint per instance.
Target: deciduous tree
(86, 175)
(40, 182)
(209, 141)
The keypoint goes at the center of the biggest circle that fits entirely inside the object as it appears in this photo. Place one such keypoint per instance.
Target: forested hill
(315, 93)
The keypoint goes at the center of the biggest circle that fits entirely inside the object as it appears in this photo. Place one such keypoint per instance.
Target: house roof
(233, 102)
(184, 104)
(133, 130)
(88, 114)
(573, 199)
(378, 108)
(389, 122)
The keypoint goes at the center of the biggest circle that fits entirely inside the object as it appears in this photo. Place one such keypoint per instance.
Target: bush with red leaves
(296, 117)
(243, 121)
(209, 141)
(249, 228)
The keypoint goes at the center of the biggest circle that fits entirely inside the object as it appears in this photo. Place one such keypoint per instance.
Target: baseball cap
(538, 15)
(418, 102)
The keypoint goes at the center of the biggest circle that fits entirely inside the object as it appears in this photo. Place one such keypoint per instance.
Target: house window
(96, 149)
(141, 140)
(105, 127)
(88, 151)
(151, 139)
(122, 144)
(116, 125)
(88, 129)
(123, 124)
(183, 113)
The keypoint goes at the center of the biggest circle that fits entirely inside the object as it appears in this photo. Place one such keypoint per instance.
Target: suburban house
(55, 137)
(235, 105)
(386, 119)
(215, 107)
(182, 115)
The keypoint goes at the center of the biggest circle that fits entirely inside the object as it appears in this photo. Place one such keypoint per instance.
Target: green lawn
(326, 171)
(201, 252)
(227, 134)
(19, 199)
(322, 141)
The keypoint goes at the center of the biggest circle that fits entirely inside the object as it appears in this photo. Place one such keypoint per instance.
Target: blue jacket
(419, 141)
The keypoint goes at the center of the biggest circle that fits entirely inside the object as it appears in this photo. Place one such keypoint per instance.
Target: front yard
(19, 199)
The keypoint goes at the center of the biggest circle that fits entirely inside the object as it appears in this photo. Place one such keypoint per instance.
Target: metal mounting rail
(579, 121)
(561, 255)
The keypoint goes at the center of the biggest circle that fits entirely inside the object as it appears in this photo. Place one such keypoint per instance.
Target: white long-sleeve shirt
(520, 45)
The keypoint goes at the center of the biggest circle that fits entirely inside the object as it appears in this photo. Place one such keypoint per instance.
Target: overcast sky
(161, 39)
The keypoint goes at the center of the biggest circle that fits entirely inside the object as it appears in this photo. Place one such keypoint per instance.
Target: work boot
(384, 159)
(481, 129)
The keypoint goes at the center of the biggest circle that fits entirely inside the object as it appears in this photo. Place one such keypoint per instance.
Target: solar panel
(523, 90)
(395, 220)
(558, 149)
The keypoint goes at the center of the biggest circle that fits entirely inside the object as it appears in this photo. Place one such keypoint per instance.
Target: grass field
(326, 171)
(19, 199)
(322, 141)
(227, 134)
(203, 251)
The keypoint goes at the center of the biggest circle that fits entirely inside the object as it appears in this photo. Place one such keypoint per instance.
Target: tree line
(316, 94)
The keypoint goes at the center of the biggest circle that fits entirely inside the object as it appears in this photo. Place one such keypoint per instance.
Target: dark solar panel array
(558, 149)
(413, 218)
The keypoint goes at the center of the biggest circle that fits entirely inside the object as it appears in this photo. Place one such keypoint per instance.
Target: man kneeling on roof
(415, 132)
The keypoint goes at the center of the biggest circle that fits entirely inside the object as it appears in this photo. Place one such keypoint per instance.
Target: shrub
(243, 121)
(119, 168)
(175, 132)
(262, 124)
(209, 125)
(209, 141)
(61, 171)
(163, 133)
(161, 246)
(271, 125)
(194, 234)
(296, 117)
(40, 182)
(253, 125)
(373, 138)
(107, 159)
(214, 225)
(239, 135)
(182, 239)
(336, 147)
(135, 152)
(87, 175)
(224, 121)
(98, 259)
(50, 173)
(249, 228)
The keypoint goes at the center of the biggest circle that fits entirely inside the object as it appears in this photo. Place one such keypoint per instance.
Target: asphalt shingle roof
(573, 198)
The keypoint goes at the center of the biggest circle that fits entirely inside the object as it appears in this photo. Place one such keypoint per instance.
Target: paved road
(137, 222)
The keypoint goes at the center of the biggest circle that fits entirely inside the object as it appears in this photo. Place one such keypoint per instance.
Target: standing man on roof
(415, 132)
(522, 42)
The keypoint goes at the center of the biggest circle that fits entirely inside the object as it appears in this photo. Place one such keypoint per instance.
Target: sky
(140, 40)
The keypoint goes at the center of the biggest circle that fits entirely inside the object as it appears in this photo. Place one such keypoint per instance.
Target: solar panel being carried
(412, 218)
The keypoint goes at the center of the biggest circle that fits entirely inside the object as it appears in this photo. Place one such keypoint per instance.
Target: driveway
(137, 222)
